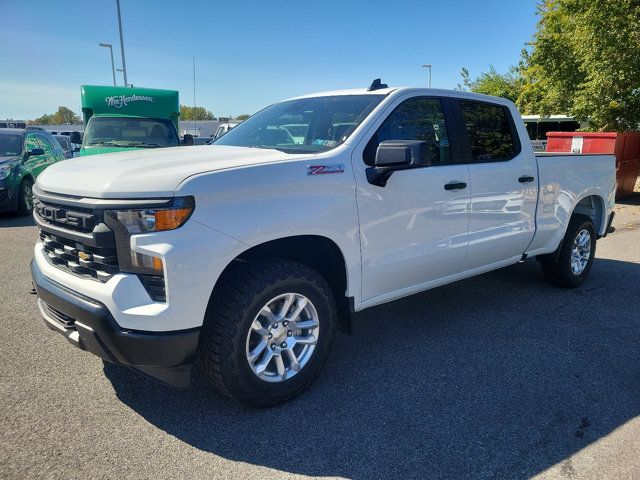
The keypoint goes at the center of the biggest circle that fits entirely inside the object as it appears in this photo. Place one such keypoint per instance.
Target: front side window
(130, 132)
(489, 131)
(415, 119)
(45, 144)
(306, 125)
(31, 142)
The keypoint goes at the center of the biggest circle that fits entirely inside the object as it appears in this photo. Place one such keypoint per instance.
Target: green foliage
(195, 113)
(584, 60)
(242, 117)
(507, 85)
(63, 116)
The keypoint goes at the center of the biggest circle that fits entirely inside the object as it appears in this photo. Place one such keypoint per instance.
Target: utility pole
(124, 65)
(429, 67)
(194, 94)
(113, 68)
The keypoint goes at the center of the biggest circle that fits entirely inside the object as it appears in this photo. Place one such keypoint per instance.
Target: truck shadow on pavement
(498, 376)
(13, 220)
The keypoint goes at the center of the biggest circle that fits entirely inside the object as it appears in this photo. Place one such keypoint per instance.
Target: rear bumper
(164, 356)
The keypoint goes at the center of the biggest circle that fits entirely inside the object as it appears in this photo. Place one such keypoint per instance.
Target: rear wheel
(25, 198)
(576, 254)
(267, 332)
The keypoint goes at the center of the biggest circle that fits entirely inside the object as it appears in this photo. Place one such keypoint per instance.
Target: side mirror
(75, 137)
(35, 151)
(187, 139)
(393, 155)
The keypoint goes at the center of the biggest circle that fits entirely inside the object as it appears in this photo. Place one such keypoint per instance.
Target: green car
(23, 155)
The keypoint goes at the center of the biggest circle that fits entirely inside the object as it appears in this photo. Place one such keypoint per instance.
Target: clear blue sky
(249, 53)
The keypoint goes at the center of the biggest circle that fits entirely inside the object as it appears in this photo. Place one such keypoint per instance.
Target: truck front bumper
(164, 356)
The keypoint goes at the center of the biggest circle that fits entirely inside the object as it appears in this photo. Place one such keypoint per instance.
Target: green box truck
(126, 118)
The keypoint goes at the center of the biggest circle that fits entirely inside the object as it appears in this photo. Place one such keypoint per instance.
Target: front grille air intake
(80, 259)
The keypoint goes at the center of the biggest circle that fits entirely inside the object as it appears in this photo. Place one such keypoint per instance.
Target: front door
(413, 231)
(35, 163)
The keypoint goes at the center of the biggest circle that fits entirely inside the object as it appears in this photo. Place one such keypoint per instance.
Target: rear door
(413, 230)
(503, 185)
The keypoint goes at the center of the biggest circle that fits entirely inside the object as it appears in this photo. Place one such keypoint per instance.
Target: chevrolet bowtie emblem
(84, 255)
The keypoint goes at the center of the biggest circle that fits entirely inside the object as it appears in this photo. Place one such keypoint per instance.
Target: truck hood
(150, 172)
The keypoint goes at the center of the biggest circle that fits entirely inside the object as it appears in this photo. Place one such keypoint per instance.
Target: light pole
(124, 64)
(429, 67)
(113, 68)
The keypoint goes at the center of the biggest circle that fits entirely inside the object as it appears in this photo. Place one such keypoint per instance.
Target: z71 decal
(324, 169)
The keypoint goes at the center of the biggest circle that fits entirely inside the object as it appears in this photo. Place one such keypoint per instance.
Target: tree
(65, 116)
(584, 60)
(42, 120)
(242, 117)
(508, 85)
(62, 116)
(195, 113)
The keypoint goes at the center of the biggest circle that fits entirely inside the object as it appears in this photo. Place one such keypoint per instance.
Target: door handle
(526, 179)
(455, 186)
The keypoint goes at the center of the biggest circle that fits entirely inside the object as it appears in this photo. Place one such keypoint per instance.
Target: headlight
(147, 220)
(126, 223)
(5, 171)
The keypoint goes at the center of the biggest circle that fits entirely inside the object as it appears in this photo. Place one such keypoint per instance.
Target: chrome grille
(99, 263)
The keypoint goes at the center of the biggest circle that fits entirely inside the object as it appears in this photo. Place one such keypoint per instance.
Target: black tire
(25, 198)
(240, 295)
(559, 272)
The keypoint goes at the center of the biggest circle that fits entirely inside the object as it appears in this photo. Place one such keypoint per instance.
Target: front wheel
(576, 254)
(25, 198)
(267, 332)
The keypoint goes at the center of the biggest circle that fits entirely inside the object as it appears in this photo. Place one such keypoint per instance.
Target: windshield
(306, 125)
(10, 145)
(130, 132)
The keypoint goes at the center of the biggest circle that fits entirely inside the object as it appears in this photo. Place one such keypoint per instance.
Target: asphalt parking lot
(498, 376)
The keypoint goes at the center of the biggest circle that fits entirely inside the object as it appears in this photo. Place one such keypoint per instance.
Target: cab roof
(415, 90)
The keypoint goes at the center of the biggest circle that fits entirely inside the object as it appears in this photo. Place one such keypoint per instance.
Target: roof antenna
(377, 85)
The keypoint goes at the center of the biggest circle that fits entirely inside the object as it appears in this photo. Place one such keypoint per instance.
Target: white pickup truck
(242, 258)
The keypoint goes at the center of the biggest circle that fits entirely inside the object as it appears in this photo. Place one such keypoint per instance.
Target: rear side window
(417, 118)
(489, 131)
(64, 142)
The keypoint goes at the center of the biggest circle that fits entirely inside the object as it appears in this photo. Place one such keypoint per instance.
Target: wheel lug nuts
(283, 345)
(271, 335)
(289, 333)
(285, 323)
(273, 346)
(275, 325)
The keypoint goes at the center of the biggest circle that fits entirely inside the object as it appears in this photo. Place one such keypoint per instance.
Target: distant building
(13, 123)
(62, 129)
(199, 128)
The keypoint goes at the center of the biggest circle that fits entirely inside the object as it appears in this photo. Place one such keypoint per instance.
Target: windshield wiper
(110, 143)
(142, 144)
